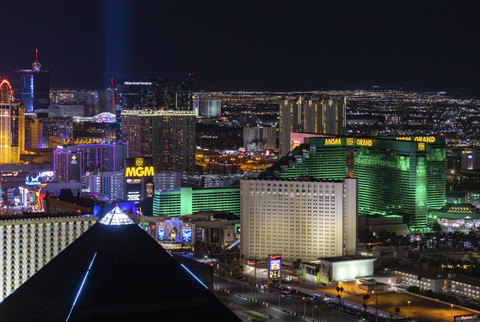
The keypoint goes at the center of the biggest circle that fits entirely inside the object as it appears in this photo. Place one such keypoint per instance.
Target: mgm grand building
(397, 175)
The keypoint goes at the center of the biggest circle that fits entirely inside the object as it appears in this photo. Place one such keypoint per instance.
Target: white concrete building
(31, 241)
(299, 219)
(332, 270)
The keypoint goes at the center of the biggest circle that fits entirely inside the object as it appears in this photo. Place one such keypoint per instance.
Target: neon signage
(364, 142)
(333, 141)
(427, 139)
(32, 181)
(139, 172)
(137, 83)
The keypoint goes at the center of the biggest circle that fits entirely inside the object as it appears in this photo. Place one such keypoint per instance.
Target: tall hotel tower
(34, 87)
(12, 125)
(300, 219)
(313, 115)
(166, 136)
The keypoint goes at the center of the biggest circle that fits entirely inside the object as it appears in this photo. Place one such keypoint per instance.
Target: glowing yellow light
(139, 172)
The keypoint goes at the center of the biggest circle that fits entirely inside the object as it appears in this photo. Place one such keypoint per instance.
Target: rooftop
(113, 273)
(346, 258)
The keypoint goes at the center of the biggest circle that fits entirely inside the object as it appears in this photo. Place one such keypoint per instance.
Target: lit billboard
(161, 233)
(139, 179)
(187, 235)
(274, 266)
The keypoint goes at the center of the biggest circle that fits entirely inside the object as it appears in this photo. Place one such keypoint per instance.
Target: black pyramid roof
(113, 273)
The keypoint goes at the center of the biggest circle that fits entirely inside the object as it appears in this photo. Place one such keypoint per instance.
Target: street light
(408, 309)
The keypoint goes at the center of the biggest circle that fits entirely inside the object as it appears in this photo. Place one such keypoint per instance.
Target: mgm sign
(139, 170)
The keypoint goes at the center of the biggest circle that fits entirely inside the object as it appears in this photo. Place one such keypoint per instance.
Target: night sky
(247, 45)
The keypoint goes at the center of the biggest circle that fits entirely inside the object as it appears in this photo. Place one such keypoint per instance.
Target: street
(278, 302)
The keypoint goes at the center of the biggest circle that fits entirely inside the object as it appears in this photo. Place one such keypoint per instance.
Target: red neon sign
(5, 81)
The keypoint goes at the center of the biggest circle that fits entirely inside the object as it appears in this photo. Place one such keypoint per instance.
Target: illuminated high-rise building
(259, 138)
(299, 219)
(207, 107)
(166, 136)
(186, 201)
(70, 163)
(325, 115)
(152, 94)
(12, 125)
(402, 175)
(34, 87)
(39, 129)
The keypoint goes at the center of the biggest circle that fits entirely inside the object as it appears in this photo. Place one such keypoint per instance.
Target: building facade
(39, 129)
(259, 138)
(320, 115)
(153, 94)
(208, 107)
(72, 162)
(396, 175)
(299, 219)
(34, 87)
(166, 136)
(30, 242)
(186, 201)
(167, 180)
(12, 125)
(108, 184)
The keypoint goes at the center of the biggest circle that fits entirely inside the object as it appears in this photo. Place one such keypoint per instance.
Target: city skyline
(266, 46)
(289, 161)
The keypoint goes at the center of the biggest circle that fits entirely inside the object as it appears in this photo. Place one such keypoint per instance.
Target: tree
(436, 227)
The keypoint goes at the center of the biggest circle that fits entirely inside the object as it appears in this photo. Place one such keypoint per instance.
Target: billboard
(140, 169)
(161, 233)
(274, 266)
(467, 318)
(173, 228)
(139, 179)
(187, 235)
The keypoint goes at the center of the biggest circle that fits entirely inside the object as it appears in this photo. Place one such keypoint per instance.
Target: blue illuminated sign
(161, 233)
(275, 264)
(187, 235)
(32, 181)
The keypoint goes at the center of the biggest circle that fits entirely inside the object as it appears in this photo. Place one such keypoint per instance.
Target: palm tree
(366, 297)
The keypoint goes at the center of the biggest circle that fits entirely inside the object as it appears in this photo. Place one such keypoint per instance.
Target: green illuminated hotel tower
(396, 175)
